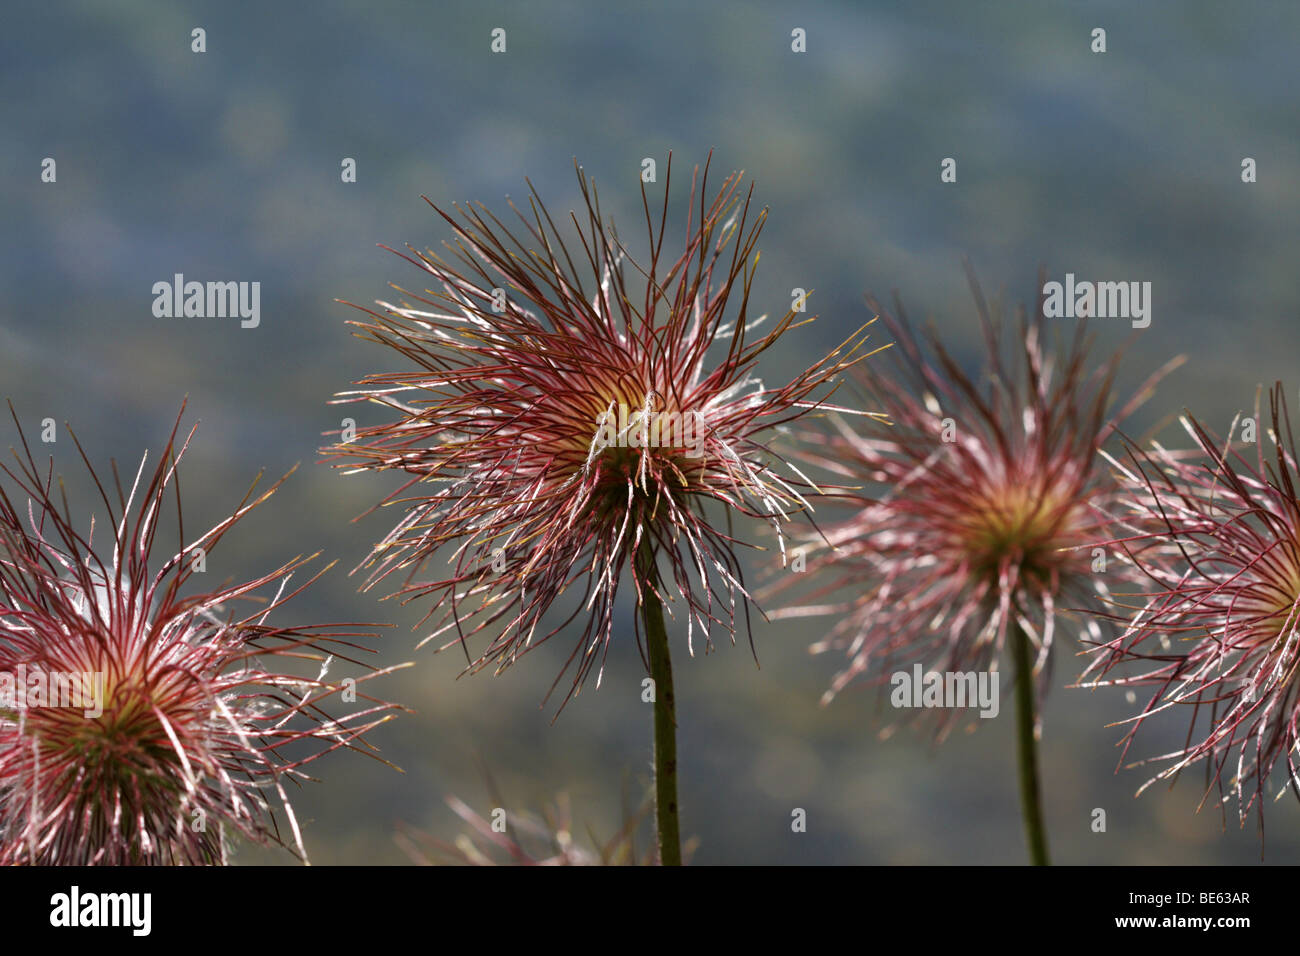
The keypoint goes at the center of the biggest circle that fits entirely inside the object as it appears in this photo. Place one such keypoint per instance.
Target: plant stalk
(665, 713)
(1031, 798)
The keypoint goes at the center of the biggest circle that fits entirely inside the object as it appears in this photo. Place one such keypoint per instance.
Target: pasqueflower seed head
(566, 411)
(144, 720)
(1215, 631)
(989, 495)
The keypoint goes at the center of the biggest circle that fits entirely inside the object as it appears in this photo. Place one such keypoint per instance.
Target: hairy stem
(1031, 799)
(665, 712)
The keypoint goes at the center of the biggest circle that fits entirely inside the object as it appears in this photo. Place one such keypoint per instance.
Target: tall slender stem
(665, 712)
(1031, 800)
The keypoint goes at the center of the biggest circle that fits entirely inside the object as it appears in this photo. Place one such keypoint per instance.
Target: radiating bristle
(142, 721)
(528, 363)
(986, 496)
(1214, 628)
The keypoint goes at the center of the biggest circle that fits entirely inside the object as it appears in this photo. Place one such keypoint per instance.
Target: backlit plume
(566, 414)
(1215, 630)
(144, 720)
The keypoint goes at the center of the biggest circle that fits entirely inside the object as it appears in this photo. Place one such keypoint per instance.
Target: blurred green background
(225, 165)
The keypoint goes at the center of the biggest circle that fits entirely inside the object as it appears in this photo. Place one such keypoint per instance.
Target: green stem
(665, 712)
(1031, 799)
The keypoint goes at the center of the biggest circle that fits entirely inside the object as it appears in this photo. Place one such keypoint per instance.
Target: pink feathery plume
(144, 720)
(1214, 632)
(567, 416)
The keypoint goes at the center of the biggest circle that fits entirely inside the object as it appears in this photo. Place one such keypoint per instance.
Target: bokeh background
(226, 165)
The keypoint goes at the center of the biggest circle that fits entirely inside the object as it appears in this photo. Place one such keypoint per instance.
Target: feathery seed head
(1215, 631)
(140, 724)
(989, 499)
(566, 408)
